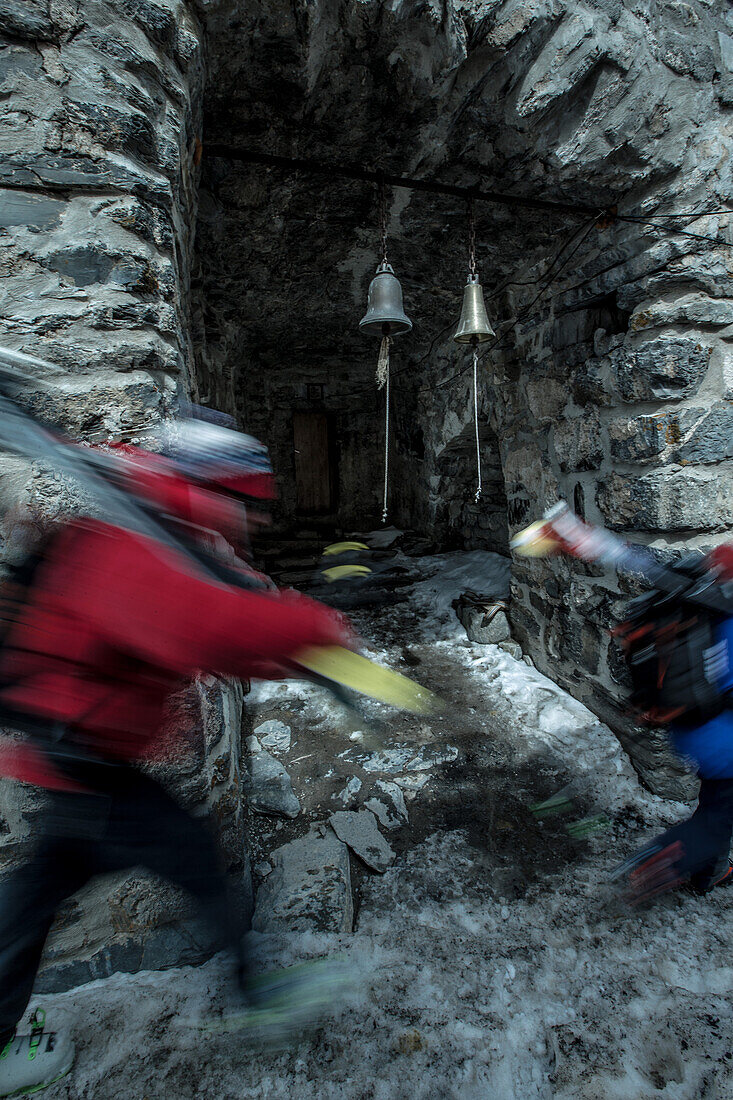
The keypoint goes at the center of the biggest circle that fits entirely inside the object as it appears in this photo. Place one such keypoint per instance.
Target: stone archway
(146, 267)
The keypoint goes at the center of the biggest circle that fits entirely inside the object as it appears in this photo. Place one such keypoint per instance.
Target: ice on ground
(458, 994)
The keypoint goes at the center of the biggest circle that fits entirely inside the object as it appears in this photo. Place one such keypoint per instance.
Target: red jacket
(116, 621)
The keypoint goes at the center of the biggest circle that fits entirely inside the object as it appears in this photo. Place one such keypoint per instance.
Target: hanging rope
(383, 383)
(475, 422)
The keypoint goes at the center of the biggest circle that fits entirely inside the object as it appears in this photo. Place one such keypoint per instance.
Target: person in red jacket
(112, 623)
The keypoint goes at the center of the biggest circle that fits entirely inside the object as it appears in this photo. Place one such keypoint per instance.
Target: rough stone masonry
(147, 268)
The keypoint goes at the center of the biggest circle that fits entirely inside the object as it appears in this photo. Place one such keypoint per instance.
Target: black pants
(126, 820)
(706, 836)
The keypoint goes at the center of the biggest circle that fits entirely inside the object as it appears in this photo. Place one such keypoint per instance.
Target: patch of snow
(552, 996)
(350, 791)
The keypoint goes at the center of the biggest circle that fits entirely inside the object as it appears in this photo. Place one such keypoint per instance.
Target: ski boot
(28, 1063)
(282, 1005)
(652, 871)
(722, 875)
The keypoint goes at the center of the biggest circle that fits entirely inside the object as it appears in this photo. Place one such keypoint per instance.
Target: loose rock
(485, 620)
(360, 832)
(268, 787)
(308, 889)
(391, 815)
(274, 735)
(350, 791)
(396, 797)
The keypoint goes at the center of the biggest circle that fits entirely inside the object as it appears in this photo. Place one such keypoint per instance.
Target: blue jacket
(710, 746)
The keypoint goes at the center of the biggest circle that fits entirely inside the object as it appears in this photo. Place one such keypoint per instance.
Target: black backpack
(673, 649)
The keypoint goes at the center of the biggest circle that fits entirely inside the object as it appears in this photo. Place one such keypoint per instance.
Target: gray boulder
(485, 619)
(309, 887)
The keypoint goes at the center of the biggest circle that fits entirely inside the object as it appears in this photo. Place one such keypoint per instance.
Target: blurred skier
(678, 640)
(101, 625)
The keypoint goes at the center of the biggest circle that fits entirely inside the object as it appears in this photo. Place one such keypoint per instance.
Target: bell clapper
(383, 362)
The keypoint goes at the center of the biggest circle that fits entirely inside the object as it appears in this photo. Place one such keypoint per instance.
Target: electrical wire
(691, 214)
(521, 316)
(500, 290)
(673, 230)
(312, 166)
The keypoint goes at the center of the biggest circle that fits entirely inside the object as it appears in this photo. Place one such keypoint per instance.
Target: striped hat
(207, 448)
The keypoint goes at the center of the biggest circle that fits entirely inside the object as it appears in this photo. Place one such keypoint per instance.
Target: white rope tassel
(475, 421)
(383, 362)
(383, 383)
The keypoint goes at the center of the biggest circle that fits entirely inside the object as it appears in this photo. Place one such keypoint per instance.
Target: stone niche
(147, 266)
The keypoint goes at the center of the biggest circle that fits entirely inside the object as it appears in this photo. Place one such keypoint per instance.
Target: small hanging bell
(474, 326)
(385, 315)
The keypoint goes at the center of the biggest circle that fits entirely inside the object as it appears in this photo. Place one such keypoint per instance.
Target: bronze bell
(474, 326)
(385, 315)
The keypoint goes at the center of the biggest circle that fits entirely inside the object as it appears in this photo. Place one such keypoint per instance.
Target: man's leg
(147, 827)
(694, 851)
(29, 898)
(706, 837)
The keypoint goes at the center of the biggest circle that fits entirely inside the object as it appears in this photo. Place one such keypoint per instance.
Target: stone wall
(100, 138)
(133, 921)
(97, 198)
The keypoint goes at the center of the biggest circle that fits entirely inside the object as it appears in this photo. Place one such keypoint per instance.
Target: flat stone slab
(309, 887)
(387, 760)
(359, 830)
(274, 735)
(268, 787)
(404, 758)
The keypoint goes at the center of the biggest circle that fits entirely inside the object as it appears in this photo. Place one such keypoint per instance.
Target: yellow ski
(364, 676)
(341, 572)
(342, 547)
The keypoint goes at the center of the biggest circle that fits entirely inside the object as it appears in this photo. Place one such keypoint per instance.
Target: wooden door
(313, 475)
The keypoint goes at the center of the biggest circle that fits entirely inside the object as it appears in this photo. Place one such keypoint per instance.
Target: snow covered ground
(492, 960)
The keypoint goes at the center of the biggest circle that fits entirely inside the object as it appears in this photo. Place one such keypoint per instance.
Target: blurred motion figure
(678, 641)
(101, 625)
